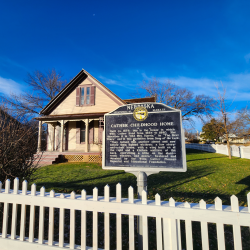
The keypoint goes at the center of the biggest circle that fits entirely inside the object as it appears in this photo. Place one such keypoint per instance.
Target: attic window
(85, 96)
(82, 96)
(88, 95)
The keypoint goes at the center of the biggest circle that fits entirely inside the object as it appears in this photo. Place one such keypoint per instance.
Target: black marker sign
(144, 137)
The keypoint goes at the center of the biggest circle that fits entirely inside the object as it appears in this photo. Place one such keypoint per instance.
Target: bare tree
(42, 88)
(225, 109)
(191, 136)
(18, 144)
(177, 97)
(243, 122)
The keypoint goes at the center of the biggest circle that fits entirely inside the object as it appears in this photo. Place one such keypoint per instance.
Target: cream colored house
(75, 115)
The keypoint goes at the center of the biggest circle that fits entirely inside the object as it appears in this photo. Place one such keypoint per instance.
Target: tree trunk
(227, 137)
(228, 148)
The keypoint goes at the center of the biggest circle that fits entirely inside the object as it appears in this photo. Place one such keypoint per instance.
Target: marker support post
(141, 185)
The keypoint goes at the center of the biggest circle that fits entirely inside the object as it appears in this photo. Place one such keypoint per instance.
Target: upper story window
(88, 95)
(85, 96)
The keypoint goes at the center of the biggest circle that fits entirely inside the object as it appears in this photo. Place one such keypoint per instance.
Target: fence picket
(32, 215)
(167, 243)
(16, 186)
(204, 229)
(72, 224)
(131, 221)
(188, 227)
(118, 218)
(51, 221)
(248, 202)
(145, 222)
(171, 202)
(236, 228)
(23, 212)
(220, 226)
(6, 210)
(158, 224)
(14, 210)
(106, 220)
(61, 224)
(175, 234)
(131, 195)
(178, 223)
(7, 186)
(171, 225)
(95, 221)
(83, 223)
(41, 218)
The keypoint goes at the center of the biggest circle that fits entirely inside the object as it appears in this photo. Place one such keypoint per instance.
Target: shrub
(18, 144)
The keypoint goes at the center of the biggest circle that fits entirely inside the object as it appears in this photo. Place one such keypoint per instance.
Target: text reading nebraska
(134, 106)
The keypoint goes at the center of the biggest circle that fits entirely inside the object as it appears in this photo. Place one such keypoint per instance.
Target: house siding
(103, 103)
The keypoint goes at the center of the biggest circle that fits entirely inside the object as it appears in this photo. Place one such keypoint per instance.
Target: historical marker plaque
(144, 137)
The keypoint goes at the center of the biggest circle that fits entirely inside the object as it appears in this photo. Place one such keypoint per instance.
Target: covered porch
(72, 134)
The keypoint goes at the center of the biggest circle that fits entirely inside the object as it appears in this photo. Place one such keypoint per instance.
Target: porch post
(39, 144)
(53, 138)
(87, 135)
(62, 135)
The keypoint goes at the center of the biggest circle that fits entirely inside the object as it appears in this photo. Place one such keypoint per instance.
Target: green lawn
(208, 175)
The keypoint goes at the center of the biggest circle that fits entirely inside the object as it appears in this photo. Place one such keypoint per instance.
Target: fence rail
(238, 151)
(167, 214)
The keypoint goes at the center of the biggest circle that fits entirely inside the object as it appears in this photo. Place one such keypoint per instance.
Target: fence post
(141, 186)
(241, 152)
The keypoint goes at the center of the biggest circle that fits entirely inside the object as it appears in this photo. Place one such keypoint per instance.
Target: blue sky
(193, 43)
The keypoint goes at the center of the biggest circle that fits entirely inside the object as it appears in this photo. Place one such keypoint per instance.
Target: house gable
(65, 101)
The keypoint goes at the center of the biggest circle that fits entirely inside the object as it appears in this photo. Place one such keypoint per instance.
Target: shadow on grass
(195, 151)
(206, 158)
(96, 178)
(171, 180)
(169, 177)
(244, 181)
(187, 181)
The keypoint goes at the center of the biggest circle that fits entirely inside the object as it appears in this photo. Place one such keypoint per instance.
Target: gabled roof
(79, 78)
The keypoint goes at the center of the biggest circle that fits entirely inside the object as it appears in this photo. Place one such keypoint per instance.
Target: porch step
(47, 158)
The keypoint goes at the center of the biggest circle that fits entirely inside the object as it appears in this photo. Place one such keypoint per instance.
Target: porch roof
(70, 116)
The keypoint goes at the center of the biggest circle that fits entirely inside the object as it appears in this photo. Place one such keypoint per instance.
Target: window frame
(85, 96)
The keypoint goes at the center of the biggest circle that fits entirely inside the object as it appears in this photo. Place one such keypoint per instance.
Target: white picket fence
(167, 213)
(238, 151)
